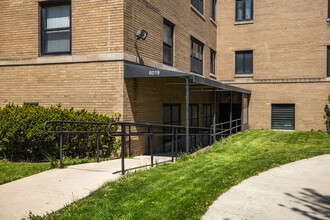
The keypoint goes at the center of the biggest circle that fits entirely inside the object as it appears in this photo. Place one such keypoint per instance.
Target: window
(213, 4)
(212, 62)
(283, 116)
(244, 10)
(171, 116)
(244, 62)
(206, 115)
(196, 56)
(168, 43)
(198, 4)
(55, 29)
(31, 103)
(328, 9)
(193, 116)
(328, 58)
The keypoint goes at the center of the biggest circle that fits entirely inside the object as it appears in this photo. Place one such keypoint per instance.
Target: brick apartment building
(265, 62)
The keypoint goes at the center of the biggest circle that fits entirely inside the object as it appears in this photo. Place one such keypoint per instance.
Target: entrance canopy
(193, 81)
(138, 71)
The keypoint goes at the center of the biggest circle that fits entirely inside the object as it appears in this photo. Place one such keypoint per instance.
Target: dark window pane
(58, 16)
(167, 54)
(239, 10)
(329, 9)
(168, 44)
(213, 2)
(248, 9)
(248, 63)
(58, 41)
(167, 114)
(328, 57)
(176, 114)
(198, 4)
(239, 63)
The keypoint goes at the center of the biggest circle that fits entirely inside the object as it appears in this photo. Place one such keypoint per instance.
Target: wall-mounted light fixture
(141, 34)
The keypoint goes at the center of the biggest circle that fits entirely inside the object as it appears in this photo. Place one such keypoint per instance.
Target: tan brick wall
(309, 100)
(149, 15)
(97, 27)
(288, 39)
(92, 86)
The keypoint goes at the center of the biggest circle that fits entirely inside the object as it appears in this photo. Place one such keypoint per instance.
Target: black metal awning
(139, 71)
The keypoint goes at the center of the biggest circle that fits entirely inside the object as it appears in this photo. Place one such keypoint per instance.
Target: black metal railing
(61, 132)
(151, 131)
(124, 130)
(227, 128)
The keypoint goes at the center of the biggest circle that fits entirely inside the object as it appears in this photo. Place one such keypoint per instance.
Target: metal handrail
(150, 133)
(61, 133)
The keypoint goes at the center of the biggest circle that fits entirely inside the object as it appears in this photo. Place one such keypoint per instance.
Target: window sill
(244, 22)
(243, 76)
(328, 20)
(197, 12)
(213, 76)
(213, 22)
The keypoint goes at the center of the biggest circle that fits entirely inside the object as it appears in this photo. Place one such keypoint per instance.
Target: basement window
(55, 28)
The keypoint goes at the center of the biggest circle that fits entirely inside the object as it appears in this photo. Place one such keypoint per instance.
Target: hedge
(22, 137)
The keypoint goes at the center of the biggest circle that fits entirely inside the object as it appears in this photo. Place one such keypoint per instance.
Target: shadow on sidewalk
(316, 206)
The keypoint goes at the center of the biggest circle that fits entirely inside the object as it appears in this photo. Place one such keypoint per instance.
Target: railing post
(151, 146)
(172, 150)
(61, 145)
(129, 141)
(98, 143)
(123, 139)
(176, 144)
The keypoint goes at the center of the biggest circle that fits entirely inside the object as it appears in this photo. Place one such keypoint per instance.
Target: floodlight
(141, 34)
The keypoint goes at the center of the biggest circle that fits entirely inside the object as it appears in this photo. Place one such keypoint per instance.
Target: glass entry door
(171, 116)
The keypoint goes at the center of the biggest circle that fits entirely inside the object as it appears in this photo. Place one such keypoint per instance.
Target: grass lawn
(186, 189)
(10, 171)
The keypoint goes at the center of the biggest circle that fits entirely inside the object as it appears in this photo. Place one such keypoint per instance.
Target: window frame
(212, 64)
(328, 61)
(213, 9)
(244, 11)
(192, 57)
(199, 7)
(171, 25)
(244, 52)
(43, 15)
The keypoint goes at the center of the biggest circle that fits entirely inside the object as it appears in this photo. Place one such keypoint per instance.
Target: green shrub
(22, 137)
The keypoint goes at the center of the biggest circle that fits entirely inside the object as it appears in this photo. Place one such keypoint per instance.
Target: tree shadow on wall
(316, 205)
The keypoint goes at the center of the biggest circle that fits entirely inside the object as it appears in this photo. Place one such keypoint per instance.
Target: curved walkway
(299, 190)
(53, 189)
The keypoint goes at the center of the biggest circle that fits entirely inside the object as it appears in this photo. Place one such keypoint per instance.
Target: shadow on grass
(312, 204)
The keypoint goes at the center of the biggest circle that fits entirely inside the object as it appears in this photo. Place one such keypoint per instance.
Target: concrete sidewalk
(52, 190)
(299, 190)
